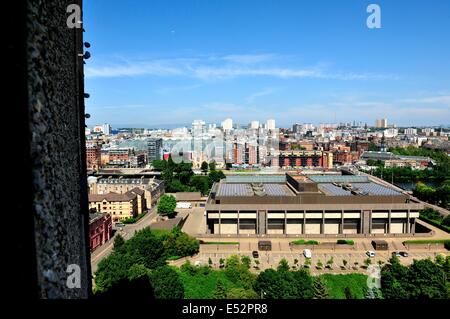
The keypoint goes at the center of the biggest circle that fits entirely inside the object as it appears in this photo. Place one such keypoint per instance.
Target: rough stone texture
(56, 150)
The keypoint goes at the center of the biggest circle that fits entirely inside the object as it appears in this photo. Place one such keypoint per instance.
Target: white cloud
(267, 91)
(225, 67)
(440, 99)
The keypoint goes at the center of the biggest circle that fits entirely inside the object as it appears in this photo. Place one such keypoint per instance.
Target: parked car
(404, 253)
(370, 253)
(119, 225)
(396, 254)
(255, 254)
(307, 253)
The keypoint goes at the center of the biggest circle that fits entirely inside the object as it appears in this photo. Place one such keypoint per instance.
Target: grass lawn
(202, 286)
(427, 241)
(337, 283)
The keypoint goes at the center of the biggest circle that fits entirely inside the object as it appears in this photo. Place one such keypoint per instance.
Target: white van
(370, 253)
(307, 253)
(184, 205)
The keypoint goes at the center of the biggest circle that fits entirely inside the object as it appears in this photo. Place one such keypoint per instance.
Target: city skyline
(168, 63)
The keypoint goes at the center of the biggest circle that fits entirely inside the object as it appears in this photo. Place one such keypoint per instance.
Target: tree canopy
(167, 205)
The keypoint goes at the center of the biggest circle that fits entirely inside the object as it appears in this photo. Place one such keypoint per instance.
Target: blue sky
(160, 63)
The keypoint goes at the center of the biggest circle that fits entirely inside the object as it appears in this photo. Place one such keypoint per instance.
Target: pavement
(196, 222)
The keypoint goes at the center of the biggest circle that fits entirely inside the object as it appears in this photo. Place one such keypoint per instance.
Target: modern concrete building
(313, 205)
(154, 149)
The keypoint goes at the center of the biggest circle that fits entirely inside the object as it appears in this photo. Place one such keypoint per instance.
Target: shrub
(305, 242)
(345, 242)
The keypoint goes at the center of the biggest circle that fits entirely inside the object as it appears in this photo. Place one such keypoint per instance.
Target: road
(127, 232)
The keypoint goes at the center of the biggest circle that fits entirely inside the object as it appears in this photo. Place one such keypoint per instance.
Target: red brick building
(100, 229)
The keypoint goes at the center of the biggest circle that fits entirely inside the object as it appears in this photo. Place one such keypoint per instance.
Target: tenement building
(315, 204)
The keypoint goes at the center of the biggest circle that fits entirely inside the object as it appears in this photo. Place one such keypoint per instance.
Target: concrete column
(322, 229)
(304, 222)
(413, 228)
(220, 222)
(361, 222)
(370, 222)
(342, 222)
(408, 230)
(238, 217)
(389, 222)
(257, 222)
(285, 222)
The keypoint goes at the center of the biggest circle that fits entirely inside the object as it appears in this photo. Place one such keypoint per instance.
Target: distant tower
(383, 144)
(270, 124)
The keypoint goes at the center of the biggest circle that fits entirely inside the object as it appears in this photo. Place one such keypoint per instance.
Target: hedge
(345, 242)
(446, 242)
(305, 242)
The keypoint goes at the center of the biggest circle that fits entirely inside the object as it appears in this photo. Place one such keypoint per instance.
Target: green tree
(367, 262)
(303, 284)
(307, 263)
(145, 248)
(241, 293)
(330, 262)
(269, 284)
(246, 261)
(167, 283)
(344, 262)
(220, 291)
(167, 205)
(204, 167)
(210, 262)
(188, 268)
(178, 243)
(212, 166)
(215, 176)
(111, 270)
(393, 285)
(283, 265)
(446, 221)
(200, 183)
(373, 293)
(119, 242)
(137, 271)
(319, 265)
(427, 280)
(320, 288)
(159, 165)
(348, 293)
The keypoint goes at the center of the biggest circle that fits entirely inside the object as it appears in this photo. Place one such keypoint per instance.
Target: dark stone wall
(56, 123)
